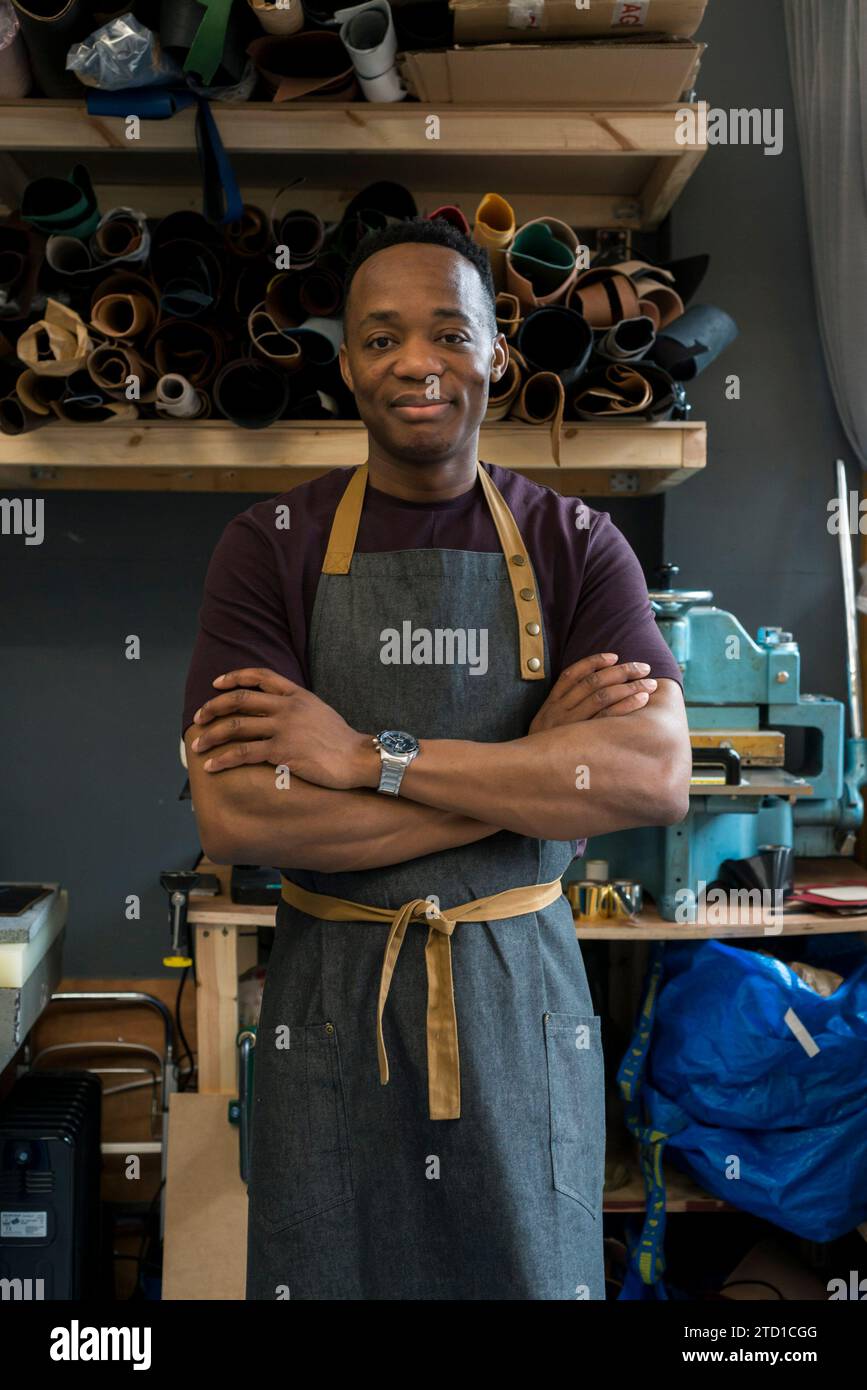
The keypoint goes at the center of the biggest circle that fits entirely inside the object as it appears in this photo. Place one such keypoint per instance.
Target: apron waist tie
(443, 1061)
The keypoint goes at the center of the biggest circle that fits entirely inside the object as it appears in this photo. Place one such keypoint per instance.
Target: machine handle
(728, 758)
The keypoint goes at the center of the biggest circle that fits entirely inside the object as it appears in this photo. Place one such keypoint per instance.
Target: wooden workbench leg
(217, 1009)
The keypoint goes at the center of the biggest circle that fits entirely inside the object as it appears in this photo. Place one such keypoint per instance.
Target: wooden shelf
(625, 167)
(604, 460)
(650, 926)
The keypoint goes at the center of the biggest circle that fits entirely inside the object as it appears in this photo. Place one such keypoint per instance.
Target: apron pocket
(576, 1098)
(300, 1163)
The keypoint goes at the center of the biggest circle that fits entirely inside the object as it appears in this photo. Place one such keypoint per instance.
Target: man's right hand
(595, 686)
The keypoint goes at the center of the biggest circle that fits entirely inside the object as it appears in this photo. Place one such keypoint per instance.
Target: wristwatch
(396, 750)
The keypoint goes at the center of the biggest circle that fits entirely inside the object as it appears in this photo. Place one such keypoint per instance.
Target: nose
(417, 359)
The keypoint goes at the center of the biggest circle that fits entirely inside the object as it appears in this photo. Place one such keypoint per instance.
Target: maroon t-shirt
(261, 581)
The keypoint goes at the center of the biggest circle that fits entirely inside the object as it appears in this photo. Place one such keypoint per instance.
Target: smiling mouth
(422, 411)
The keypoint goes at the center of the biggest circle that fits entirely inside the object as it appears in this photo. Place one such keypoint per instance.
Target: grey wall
(753, 527)
(90, 768)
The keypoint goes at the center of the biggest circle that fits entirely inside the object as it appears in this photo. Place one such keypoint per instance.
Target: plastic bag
(123, 53)
(761, 1086)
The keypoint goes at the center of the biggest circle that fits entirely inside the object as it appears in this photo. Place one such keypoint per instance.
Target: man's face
(420, 351)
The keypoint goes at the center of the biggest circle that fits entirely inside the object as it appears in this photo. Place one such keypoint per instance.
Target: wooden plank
(215, 456)
(667, 182)
(315, 127)
(217, 1008)
(650, 926)
(205, 1242)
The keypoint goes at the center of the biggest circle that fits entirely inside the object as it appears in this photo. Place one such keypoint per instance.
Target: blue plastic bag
(742, 1100)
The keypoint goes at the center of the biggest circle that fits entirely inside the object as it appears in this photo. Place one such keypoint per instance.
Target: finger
(235, 701)
(627, 706)
(579, 669)
(257, 676)
(233, 729)
(237, 755)
(608, 695)
(594, 681)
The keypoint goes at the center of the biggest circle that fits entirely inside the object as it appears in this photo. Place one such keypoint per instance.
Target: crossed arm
(582, 769)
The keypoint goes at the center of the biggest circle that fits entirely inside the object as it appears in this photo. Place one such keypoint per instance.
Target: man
(404, 698)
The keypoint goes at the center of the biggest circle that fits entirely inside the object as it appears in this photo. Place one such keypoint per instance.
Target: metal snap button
(517, 560)
(527, 594)
(329, 1028)
(534, 663)
(533, 629)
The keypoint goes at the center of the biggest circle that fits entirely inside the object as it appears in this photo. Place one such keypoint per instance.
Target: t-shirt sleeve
(613, 612)
(243, 620)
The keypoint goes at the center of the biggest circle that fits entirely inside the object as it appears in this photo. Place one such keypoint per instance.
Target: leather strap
(542, 401)
(528, 611)
(443, 1056)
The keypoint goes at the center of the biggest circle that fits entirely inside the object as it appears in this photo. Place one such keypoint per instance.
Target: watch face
(394, 741)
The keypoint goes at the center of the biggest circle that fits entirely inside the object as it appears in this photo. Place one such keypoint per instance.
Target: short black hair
(420, 231)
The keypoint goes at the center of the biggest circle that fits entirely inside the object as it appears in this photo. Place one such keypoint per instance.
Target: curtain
(827, 42)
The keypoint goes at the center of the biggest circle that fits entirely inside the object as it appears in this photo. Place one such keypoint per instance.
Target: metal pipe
(853, 672)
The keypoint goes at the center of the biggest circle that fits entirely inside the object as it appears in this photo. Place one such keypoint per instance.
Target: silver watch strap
(391, 775)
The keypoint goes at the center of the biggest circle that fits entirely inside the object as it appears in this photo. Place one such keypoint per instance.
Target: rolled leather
(604, 297)
(689, 344)
(541, 263)
(509, 313)
(283, 299)
(301, 232)
(542, 401)
(122, 236)
(270, 344)
(285, 18)
(56, 345)
(21, 255)
(627, 341)
(319, 339)
(64, 207)
(391, 201)
(84, 403)
(110, 366)
(556, 339)
(251, 393)
(659, 302)
(494, 228)
(37, 392)
(176, 398)
(452, 214)
(49, 28)
(189, 277)
(321, 292)
(124, 305)
(192, 349)
(15, 418)
(312, 65)
(249, 235)
(368, 35)
(208, 41)
(502, 393)
(613, 391)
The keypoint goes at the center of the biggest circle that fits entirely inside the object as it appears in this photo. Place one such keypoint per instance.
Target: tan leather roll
(124, 305)
(502, 393)
(523, 282)
(271, 344)
(614, 392)
(57, 344)
(494, 228)
(509, 313)
(112, 364)
(604, 297)
(542, 401)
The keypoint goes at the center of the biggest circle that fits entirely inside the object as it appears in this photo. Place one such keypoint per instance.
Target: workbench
(226, 936)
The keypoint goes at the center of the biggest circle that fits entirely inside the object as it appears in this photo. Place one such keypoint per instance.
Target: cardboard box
(561, 74)
(524, 21)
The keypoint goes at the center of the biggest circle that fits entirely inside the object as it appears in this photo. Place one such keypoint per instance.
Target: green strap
(206, 50)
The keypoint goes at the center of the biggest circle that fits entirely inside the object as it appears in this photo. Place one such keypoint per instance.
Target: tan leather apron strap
(344, 527)
(443, 1056)
(528, 611)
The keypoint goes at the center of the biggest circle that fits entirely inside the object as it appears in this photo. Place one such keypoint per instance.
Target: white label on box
(630, 14)
(525, 14)
(23, 1225)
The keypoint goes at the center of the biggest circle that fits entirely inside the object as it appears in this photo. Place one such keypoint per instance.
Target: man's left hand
(264, 718)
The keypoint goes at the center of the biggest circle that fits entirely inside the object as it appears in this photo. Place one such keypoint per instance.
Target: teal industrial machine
(772, 766)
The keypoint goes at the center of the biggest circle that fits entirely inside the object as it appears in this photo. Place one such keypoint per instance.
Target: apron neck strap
(341, 547)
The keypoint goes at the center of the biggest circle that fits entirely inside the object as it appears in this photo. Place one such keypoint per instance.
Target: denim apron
(355, 1193)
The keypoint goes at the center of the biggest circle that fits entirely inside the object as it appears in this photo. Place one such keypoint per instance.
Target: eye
(381, 341)
(454, 337)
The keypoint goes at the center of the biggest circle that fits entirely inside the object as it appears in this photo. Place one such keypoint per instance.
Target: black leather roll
(627, 341)
(554, 339)
(689, 344)
(186, 347)
(667, 397)
(49, 28)
(62, 207)
(302, 233)
(189, 277)
(250, 235)
(251, 393)
(321, 292)
(179, 24)
(283, 299)
(392, 200)
(771, 870)
(21, 255)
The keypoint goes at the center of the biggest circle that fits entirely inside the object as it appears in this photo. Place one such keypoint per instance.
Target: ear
(499, 356)
(343, 360)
